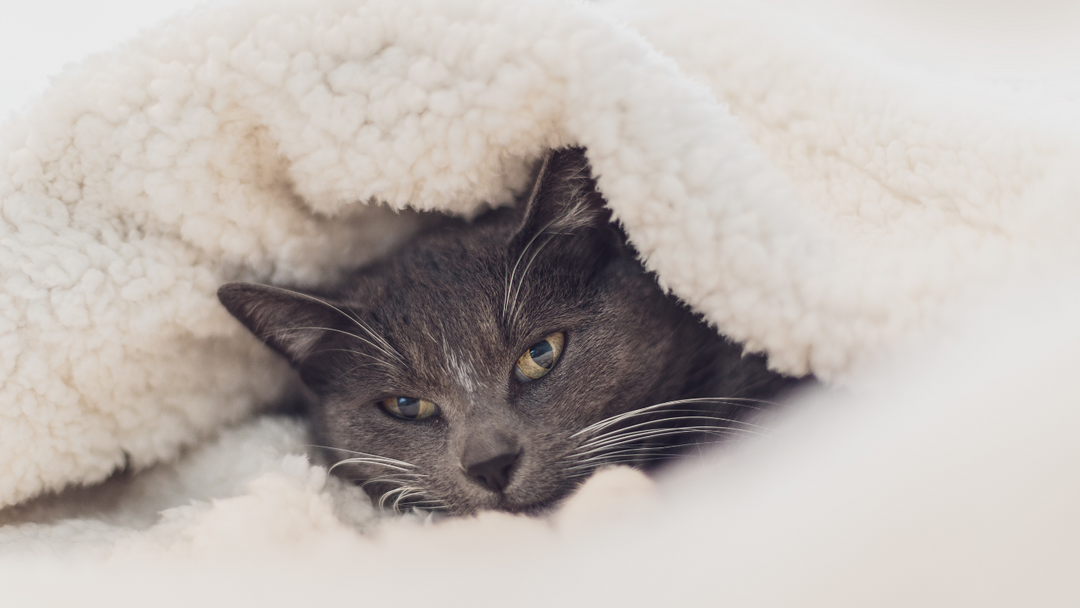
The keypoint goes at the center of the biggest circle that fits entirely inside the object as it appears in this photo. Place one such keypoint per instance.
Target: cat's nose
(489, 460)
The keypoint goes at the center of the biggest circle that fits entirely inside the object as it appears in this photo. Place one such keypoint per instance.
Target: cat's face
(471, 368)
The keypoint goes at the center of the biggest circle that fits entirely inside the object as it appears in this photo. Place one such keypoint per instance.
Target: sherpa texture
(810, 201)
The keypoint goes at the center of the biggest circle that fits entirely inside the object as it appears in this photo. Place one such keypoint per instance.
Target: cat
(496, 363)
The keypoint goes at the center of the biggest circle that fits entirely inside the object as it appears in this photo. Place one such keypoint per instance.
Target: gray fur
(446, 317)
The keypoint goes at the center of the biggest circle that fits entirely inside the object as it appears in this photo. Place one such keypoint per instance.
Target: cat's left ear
(290, 322)
(564, 200)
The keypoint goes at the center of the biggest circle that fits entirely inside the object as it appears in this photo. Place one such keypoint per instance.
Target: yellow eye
(410, 408)
(540, 358)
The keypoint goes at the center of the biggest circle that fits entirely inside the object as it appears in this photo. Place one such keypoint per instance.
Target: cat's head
(474, 367)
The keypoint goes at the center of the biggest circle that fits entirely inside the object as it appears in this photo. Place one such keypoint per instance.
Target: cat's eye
(538, 360)
(410, 408)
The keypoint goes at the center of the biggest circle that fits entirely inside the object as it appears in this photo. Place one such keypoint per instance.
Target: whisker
(621, 453)
(400, 360)
(581, 472)
(385, 346)
(599, 454)
(402, 474)
(513, 273)
(642, 450)
(370, 461)
(393, 480)
(515, 302)
(532, 198)
(728, 422)
(406, 495)
(386, 496)
(611, 420)
(600, 439)
(638, 451)
(663, 432)
(620, 449)
(630, 458)
(363, 454)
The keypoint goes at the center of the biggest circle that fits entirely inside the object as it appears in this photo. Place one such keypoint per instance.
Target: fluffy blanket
(907, 237)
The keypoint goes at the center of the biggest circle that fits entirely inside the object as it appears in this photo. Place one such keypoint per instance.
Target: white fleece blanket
(818, 204)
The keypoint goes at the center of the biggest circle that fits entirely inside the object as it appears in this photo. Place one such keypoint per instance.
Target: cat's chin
(537, 509)
(508, 504)
(608, 490)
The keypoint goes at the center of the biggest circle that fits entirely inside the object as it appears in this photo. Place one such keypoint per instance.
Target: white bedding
(905, 235)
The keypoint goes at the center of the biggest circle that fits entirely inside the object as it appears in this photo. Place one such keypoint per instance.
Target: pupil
(408, 406)
(542, 354)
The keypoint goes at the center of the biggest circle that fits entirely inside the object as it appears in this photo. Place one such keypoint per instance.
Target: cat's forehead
(441, 289)
(455, 300)
(447, 272)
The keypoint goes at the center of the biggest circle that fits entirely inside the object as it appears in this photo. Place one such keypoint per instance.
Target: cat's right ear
(287, 321)
(564, 200)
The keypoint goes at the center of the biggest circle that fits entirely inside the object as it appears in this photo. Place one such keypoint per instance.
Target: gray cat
(495, 364)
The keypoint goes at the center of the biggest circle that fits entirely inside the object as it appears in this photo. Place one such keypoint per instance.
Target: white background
(39, 37)
(1022, 41)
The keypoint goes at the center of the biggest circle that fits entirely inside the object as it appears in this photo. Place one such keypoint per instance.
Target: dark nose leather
(489, 460)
